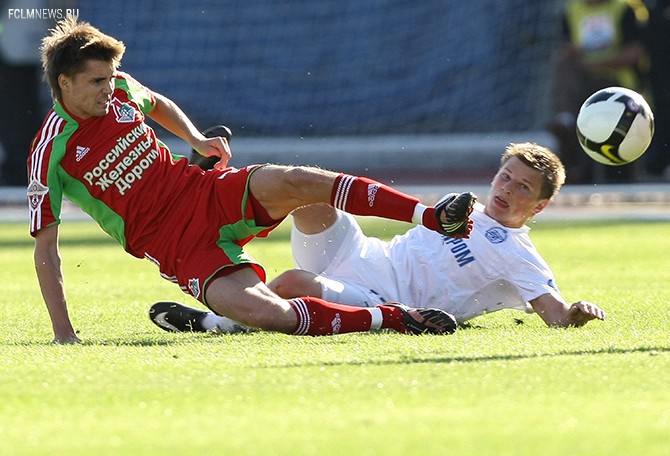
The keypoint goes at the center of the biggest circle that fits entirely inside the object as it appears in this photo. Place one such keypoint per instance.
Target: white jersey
(496, 268)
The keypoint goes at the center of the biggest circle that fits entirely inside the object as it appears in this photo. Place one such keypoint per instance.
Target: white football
(615, 126)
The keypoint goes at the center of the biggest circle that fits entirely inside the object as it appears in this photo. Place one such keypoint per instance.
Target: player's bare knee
(284, 284)
(314, 218)
(295, 283)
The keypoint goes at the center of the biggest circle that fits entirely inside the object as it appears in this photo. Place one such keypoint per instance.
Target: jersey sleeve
(44, 187)
(534, 278)
(142, 96)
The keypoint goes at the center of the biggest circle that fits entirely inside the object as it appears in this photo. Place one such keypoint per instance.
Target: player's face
(515, 194)
(89, 93)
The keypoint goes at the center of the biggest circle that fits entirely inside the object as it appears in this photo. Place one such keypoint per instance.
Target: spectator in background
(20, 81)
(602, 47)
(657, 41)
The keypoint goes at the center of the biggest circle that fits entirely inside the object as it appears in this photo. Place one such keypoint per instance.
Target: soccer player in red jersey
(95, 148)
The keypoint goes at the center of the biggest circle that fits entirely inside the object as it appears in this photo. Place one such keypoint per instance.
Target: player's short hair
(69, 45)
(541, 159)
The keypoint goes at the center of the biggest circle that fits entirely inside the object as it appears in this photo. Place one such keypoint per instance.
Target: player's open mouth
(500, 202)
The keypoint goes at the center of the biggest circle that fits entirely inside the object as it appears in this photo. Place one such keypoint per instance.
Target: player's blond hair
(70, 44)
(541, 159)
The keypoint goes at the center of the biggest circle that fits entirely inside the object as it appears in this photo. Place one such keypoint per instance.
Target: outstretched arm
(556, 312)
(172, 118)
(50, 276)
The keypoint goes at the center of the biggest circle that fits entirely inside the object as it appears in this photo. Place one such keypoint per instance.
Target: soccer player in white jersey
(497, 267)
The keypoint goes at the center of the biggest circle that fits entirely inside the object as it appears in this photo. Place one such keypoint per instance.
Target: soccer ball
(615, 126)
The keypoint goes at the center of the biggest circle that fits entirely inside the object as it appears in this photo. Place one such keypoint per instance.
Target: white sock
(377, 318)
(210, 321)
(417, 217)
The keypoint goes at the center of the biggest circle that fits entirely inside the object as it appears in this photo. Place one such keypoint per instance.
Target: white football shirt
(496, 268)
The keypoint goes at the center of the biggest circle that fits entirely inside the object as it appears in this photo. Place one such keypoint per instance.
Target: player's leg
(296, 282)
(314, 218)
(325, 242)
(280, 194)
(281, 189)
(312, 252)
(315, 246)
(242, 296)
(317, 238)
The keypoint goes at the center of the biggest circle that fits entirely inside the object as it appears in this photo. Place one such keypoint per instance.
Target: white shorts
(351, 267)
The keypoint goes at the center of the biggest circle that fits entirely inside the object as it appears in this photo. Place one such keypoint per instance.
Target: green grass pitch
(504, 385)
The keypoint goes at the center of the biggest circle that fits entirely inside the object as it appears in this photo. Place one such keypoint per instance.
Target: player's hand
(582, 312)
(215, 147)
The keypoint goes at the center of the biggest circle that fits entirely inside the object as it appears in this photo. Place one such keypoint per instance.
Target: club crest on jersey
(36, 192)
(194, 287)
(496, 235)
(124, 112)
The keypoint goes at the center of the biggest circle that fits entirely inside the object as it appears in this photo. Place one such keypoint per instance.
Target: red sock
(429, 220)
(363, 196)
(317, 317)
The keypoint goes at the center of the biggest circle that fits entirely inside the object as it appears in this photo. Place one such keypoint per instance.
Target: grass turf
(505, 384)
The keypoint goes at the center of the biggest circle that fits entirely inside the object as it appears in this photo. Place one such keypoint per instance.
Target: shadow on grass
(603, 351)
(185, 341)
(179, 340)
(88, 343)
(480, 359)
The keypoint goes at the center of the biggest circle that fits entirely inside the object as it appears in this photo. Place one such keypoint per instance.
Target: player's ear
(63, 82)
(539, 207)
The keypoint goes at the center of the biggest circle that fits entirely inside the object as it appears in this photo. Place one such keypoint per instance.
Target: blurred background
(404, 91)
(321, 69)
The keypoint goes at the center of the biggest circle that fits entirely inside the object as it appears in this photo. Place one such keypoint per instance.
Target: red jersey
(191, 223)
(105, 165)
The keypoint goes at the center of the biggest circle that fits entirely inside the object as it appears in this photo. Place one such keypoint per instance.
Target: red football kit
(116, 170)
